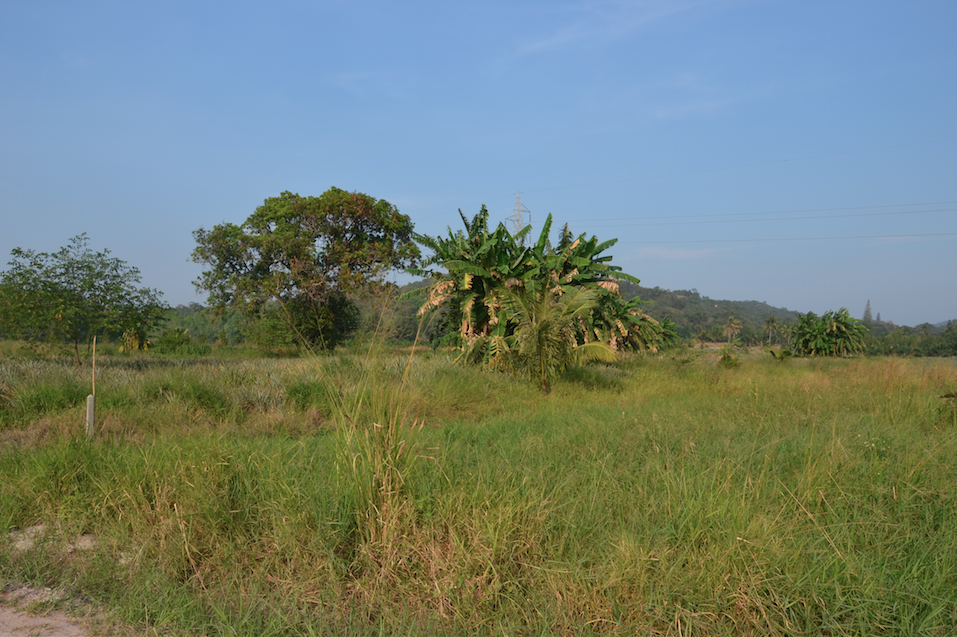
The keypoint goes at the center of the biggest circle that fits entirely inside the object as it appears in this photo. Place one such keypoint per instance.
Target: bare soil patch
(18, 620)
(28, 611)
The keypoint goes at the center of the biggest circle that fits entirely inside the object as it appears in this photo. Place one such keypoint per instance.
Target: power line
(692, 223)
(617, 221)
(709, 170)
(762, 163)
(769, 212)
(876, 236)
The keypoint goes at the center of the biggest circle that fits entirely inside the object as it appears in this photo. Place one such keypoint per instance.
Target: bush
(728, 359)
(28, 403)
(177, 342)
(310, 394)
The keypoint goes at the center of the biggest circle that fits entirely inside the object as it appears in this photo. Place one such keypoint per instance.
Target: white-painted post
(91, 400)
(90, 416)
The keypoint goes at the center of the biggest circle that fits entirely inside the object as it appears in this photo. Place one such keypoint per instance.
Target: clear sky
(801, 153)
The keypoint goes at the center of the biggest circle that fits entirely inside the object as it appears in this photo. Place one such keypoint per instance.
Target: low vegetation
(369, 489)
(367, 494)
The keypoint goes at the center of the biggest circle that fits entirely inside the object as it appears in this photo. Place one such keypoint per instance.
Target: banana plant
(845, 334)
(485, 271)
(833, 334)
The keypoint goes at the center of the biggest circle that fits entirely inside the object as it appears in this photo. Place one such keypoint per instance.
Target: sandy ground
(18, 602)
(15, 623)
(55, 624)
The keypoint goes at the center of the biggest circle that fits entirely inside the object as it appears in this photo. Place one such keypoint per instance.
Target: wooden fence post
(91, 401)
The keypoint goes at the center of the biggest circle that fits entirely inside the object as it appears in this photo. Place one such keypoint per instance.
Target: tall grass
(381, 495)
(377, 445)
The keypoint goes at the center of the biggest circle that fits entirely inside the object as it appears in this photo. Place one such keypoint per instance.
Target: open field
(658, 496)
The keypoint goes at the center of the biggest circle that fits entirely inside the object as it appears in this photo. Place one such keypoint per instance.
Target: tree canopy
(833, 334)
(499, 294)
(75, 294)
(306, 256)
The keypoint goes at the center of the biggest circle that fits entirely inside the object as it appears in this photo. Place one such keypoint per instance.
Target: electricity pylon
(518, 215)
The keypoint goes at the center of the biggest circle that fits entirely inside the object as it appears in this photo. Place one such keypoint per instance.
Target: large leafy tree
(304, 257)
(73, 295)
(493, 287)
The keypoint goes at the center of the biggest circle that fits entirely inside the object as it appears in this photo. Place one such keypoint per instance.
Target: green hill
(699, 316)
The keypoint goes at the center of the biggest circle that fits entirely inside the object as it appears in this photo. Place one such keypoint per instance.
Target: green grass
(659, 496)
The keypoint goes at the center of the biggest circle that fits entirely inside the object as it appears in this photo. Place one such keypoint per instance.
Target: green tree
(786, 331)
(868, 316)
(75, 294)
(833, 334)
(486, 270)
(307, 256)
(772, 324)
(205, 326)
(731, 328)
(545, 331)
(544, 341)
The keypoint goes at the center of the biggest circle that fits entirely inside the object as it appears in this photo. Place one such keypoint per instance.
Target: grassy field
(364, 495)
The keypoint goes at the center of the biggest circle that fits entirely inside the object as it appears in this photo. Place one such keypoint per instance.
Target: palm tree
(786, 330)
(545, 341)
(771, 325)
(731, 328)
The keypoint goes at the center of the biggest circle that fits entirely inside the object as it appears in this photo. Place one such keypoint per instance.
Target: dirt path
(53, 624)
(15, 599)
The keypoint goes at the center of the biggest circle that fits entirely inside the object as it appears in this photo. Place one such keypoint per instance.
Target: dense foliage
(178, 342)
(73, 295)
(885, 338)
(206, 326)
(492, 280)
(297, 260)
(833, 334)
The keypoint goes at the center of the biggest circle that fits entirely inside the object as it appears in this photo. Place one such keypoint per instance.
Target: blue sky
(798, 153)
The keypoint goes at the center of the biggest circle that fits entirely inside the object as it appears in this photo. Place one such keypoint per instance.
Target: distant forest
(701, 318)
(697, 319)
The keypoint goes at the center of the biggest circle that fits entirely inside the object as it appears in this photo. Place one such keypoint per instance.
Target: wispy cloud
(682, 88)
(603, 21)
(364, 84)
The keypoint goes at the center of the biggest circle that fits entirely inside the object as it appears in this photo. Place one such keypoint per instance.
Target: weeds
(948, 408)
(728, 358)
(648, 497)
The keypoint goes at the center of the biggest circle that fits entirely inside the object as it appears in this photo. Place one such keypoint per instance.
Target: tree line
(306, 272)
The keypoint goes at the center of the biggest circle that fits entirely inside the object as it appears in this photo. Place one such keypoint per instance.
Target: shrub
(177, 342)
(310, 394)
